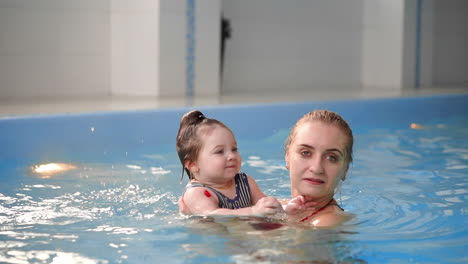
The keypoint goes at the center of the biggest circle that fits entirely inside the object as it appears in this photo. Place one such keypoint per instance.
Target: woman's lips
(314, 181)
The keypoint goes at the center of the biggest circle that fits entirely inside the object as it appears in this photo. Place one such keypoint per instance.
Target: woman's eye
(219, 152)
(332, 158)
(305, 153)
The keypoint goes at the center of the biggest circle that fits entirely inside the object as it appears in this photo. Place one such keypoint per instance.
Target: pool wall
(55, 137)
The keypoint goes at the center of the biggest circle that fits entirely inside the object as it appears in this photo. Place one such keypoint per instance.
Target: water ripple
(45, 256)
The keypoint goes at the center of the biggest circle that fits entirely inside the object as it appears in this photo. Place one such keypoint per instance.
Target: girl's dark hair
(188, 141)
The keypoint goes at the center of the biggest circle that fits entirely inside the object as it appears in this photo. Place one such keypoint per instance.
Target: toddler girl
(208, 152)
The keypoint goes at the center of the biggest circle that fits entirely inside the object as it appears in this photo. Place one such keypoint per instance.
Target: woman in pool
(318, 152)
(208, 152)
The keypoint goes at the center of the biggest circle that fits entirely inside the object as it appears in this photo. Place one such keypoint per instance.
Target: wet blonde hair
(327, 117)
(189, 141)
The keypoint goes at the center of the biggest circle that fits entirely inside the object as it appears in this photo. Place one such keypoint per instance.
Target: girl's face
(316, 160)
(218, 160)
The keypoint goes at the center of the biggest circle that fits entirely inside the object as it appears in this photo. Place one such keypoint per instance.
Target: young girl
(208, 152)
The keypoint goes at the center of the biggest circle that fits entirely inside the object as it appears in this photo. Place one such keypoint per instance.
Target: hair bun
(194, 117)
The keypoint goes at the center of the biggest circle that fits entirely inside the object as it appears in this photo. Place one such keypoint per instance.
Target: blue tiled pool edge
(23, 136)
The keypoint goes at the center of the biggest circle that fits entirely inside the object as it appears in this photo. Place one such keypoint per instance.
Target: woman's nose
(316, 165)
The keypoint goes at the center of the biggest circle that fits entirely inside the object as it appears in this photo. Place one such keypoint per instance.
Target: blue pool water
(407, 187)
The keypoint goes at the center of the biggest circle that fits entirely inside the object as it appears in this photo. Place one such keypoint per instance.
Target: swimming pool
(116, 202)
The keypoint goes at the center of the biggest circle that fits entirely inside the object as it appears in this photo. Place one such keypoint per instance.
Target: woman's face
(316, 160)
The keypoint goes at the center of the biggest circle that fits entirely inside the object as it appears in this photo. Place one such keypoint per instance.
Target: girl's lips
(314, 181)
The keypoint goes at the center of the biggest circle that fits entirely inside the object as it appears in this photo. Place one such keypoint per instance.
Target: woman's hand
(267, 206)
(298, 205)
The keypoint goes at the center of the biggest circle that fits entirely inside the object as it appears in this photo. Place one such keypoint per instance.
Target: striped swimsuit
(242, 199)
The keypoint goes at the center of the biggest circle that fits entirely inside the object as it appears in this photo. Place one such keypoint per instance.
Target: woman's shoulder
(332, 216)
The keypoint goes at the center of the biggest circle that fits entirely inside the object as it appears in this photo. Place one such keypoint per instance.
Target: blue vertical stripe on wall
(417, 65)
(190, 56)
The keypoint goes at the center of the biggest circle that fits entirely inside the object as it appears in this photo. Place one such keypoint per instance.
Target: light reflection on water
(407, 188)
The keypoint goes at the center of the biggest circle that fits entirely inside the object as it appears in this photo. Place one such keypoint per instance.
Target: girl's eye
(234, 150)
(219, 151)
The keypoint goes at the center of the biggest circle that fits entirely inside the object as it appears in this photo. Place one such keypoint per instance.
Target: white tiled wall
(139, 47)
(301, 44)
(103, 47)
(173, 47)
(427, 47)
(297, 44)
(382, 43)
(207, 56)
(450, 61)
(54, 47)
(134, 47)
